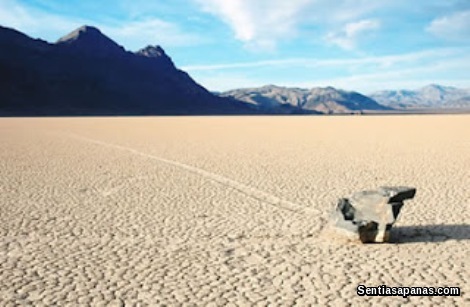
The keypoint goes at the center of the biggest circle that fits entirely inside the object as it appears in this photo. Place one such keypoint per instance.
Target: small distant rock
(370, 215)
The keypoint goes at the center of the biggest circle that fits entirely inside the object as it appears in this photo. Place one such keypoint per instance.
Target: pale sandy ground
(220, 210)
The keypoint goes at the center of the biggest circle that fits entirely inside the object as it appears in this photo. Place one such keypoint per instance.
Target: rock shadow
(429, 233)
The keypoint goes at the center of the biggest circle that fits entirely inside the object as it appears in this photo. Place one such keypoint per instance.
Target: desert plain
(227, 211)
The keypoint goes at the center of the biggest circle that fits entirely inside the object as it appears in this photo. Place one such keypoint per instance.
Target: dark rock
(370, 215)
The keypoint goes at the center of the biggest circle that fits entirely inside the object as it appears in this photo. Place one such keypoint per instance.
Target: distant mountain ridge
(432, 96)
(87, 73)
(322, 100)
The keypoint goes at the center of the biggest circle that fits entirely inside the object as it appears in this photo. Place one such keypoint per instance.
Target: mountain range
(87, 73)
(326, 100)
(432, 96)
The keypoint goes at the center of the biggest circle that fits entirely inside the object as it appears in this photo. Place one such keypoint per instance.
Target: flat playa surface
(199, 210)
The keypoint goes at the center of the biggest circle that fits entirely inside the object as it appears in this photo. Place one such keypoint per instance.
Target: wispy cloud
(227, 66)
(258, 23)
(352, 32)
(383, 61)
(265, 23)
(455, 26)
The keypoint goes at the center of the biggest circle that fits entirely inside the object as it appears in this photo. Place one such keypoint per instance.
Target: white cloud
(264, 63)
(264, 23)
(352, 32)
(258, 23)
(455, 26)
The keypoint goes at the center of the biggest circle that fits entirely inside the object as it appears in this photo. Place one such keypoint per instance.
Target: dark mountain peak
(90, 40)
(86, 73)
(83, 33)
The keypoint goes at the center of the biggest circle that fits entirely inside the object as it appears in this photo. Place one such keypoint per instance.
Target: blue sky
(362, 45)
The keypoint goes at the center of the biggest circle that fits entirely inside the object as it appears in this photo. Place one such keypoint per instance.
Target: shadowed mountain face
(86, 73)
(323, 100)
(431, 96)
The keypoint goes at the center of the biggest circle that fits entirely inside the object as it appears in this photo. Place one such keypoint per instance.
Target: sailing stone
(370, 215)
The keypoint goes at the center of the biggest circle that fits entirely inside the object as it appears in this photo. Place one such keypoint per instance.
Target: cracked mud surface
(219, 211)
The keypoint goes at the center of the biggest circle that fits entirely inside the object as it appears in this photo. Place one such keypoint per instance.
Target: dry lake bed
(227, 210)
